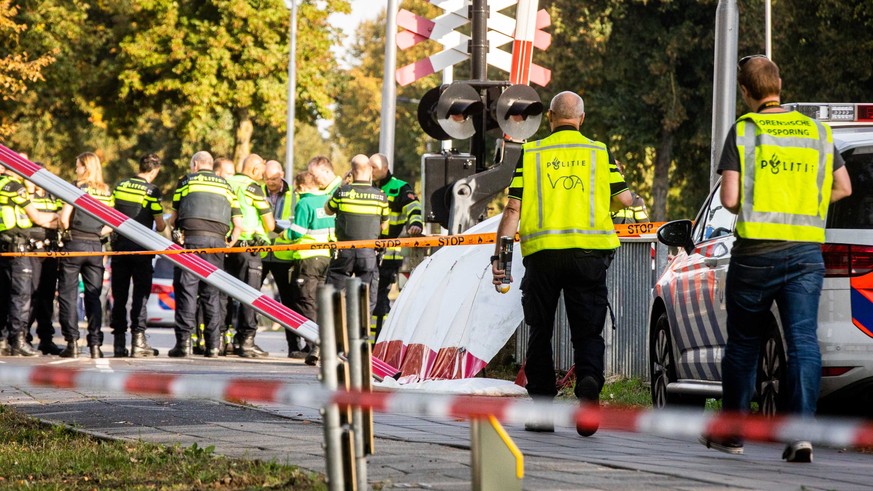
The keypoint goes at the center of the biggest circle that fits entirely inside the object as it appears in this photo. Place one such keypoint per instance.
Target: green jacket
(311, 224)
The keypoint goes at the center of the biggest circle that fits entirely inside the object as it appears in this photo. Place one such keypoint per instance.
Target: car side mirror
(677, 234)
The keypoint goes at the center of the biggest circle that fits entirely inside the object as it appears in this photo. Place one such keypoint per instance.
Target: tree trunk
(243, 141)
(661, 179)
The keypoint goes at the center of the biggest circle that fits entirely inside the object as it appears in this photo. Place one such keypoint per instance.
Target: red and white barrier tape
(151, 240)
(669, 423)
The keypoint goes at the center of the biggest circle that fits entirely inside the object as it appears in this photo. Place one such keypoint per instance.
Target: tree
(822, 48)
(223, 65)
(359, 104)
(17, 68)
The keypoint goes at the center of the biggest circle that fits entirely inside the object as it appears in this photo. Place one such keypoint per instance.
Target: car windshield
(163, 268)
(856, 211)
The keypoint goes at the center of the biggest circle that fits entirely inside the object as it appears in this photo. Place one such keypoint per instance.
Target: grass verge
(39, 456)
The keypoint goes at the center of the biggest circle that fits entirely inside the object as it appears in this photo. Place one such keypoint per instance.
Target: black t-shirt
(730, 160)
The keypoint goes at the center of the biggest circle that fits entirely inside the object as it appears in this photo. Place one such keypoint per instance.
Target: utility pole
(389, 86)
(292, 93)
(724, 84)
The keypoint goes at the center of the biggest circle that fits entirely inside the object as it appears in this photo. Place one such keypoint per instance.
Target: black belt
(202, 233)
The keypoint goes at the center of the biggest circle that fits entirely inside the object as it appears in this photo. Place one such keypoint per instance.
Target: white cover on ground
(449, 301)
(467, 386)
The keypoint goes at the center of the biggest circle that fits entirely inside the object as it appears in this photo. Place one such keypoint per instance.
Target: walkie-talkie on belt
(505, 263)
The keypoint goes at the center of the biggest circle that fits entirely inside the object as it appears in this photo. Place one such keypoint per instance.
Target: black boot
(4, 347)
(20, 346)
(248, 348)
(182, 348)
(212, 344)
(71, 351)
(139, 348)
(118, 345)
(96, 352)
(48, 347)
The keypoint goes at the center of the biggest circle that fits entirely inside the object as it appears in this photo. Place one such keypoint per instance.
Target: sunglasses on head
(746, 59)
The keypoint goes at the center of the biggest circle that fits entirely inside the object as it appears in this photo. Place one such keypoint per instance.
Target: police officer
(361, 213)
(322, 170)
(257, 221)
(85, 235)
(635, 213)
(139, 199)
(17, 216)
(280, 263)
(311, 224)
(203, 207)
(404, 213)
(45, 272)
(564, 251)
(780, 173)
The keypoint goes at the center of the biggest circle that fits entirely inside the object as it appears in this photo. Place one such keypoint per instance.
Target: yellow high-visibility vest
(786, 174)
(566, 195)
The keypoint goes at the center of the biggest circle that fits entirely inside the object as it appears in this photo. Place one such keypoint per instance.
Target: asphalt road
(413, 453)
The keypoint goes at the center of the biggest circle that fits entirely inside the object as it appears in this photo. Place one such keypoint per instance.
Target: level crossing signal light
(451, 111)
(457, 187)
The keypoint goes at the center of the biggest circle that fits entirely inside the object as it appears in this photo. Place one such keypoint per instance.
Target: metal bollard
(332, 429)
(356, 372)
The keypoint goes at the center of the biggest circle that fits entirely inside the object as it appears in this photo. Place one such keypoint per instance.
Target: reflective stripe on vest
(204, 196)
(786, 180)
(12, 216)
(570, 173)
(83, 222)
(251, 218)
(398, 216)
(283, 213)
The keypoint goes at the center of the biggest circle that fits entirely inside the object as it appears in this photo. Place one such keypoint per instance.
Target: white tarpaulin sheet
(449, 321)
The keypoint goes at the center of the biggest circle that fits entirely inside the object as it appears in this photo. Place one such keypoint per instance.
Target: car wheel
(663, 368)
(772, 371)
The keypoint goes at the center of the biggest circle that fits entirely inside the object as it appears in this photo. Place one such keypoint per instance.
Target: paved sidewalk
(424, 453)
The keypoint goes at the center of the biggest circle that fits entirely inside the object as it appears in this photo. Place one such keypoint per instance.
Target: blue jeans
(793, 278)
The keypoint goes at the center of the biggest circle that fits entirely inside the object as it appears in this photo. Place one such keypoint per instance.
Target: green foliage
(33, 455)
(168, 77)
(359, 104)
(18, 69)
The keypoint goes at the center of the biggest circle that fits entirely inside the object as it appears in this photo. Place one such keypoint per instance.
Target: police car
(687, 324)
(161, 305)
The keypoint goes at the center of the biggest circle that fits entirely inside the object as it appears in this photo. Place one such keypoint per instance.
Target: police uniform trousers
(187, 287)
(91, 269)
(45, 285)
(127, 269)
(246, 267)
(388, 271)
(358, 262)
(16, 283)
(281, 271)
(306, 277)
(581, 275)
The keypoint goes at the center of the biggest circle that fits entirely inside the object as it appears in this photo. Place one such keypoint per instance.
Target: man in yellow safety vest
(563, 251)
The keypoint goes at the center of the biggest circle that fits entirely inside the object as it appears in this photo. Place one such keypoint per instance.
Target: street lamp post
(292, 92)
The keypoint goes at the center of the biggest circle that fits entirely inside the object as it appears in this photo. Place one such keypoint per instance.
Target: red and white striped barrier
(149, 239)
(668, 423)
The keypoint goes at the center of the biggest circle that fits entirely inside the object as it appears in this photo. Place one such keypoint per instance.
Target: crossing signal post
(459, 186)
